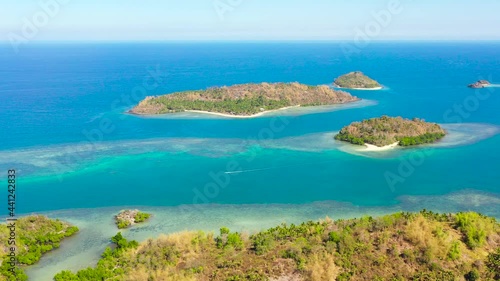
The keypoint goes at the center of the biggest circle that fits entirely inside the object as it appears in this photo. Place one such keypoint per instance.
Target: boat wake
(275, 168)
(251, 170)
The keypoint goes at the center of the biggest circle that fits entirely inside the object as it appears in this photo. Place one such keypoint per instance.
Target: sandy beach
(359, 89)
(241, 116)
(366, 89)
(371, 147)
(362, 89)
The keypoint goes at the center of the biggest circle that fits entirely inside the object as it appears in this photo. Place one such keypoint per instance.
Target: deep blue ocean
(80, 157)
(62, 103)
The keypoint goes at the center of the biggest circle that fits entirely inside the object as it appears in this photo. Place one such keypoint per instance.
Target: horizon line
(249, 40)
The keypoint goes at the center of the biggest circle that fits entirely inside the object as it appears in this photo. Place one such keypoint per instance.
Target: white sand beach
(368, 89)
(286, 111)
(241, 116)
(362, 89)
(371, 147)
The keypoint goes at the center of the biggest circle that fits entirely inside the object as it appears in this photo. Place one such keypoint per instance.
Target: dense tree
(35, 235)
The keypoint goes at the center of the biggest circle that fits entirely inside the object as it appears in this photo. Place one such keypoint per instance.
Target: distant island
(384, 131)
(479, 84)
(243, 100)
(128, 218)
(401, 246)
(34, 236)
(356, 80)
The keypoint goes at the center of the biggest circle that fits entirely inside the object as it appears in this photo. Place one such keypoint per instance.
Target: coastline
(366, 89)
(289, 110)
(359, 89)
(241, 116)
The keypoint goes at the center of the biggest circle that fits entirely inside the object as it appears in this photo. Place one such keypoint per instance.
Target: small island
(246, 100)
(479, 84)
(391, 131)
(128, 218)
(356, 80)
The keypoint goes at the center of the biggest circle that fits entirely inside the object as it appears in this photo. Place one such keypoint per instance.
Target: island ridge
(244, 99)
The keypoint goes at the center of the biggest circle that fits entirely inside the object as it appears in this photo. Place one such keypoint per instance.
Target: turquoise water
(81, 158)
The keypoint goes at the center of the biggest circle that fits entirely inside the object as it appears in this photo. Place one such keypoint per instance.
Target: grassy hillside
(402, 246)
(355, 80)
(388, 130)
(246, 99)
(35, 235)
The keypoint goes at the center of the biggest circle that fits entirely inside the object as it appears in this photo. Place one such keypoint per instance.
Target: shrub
(122, 243)
(334, 237)
(228, 239)
(493, 263)
(234, 240)
(454, 252)
(262, 243)
(141, 217)
(473, 226)
(123, 224)
(472, 275)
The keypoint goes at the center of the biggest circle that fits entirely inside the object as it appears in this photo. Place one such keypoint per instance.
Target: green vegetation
(228, 239)
(107, 268)
(128, 218)
(35, 235)
(246, 99)
(123, 224)
(493, 264)
(422, 139)
(388, 130)
(141, 217)
(402, 246)
(474, 228)
(356, 80)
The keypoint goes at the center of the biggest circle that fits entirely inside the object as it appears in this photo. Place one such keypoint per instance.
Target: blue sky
(251, 19)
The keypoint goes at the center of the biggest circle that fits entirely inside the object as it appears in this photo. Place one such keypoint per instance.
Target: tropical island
(127, 218)
(247, 100)
(356, 80)
(390, 131)
(479, 84)
(401, 246)
(34, 236)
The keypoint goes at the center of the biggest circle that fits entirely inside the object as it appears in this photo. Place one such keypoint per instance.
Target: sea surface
(80, 157)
